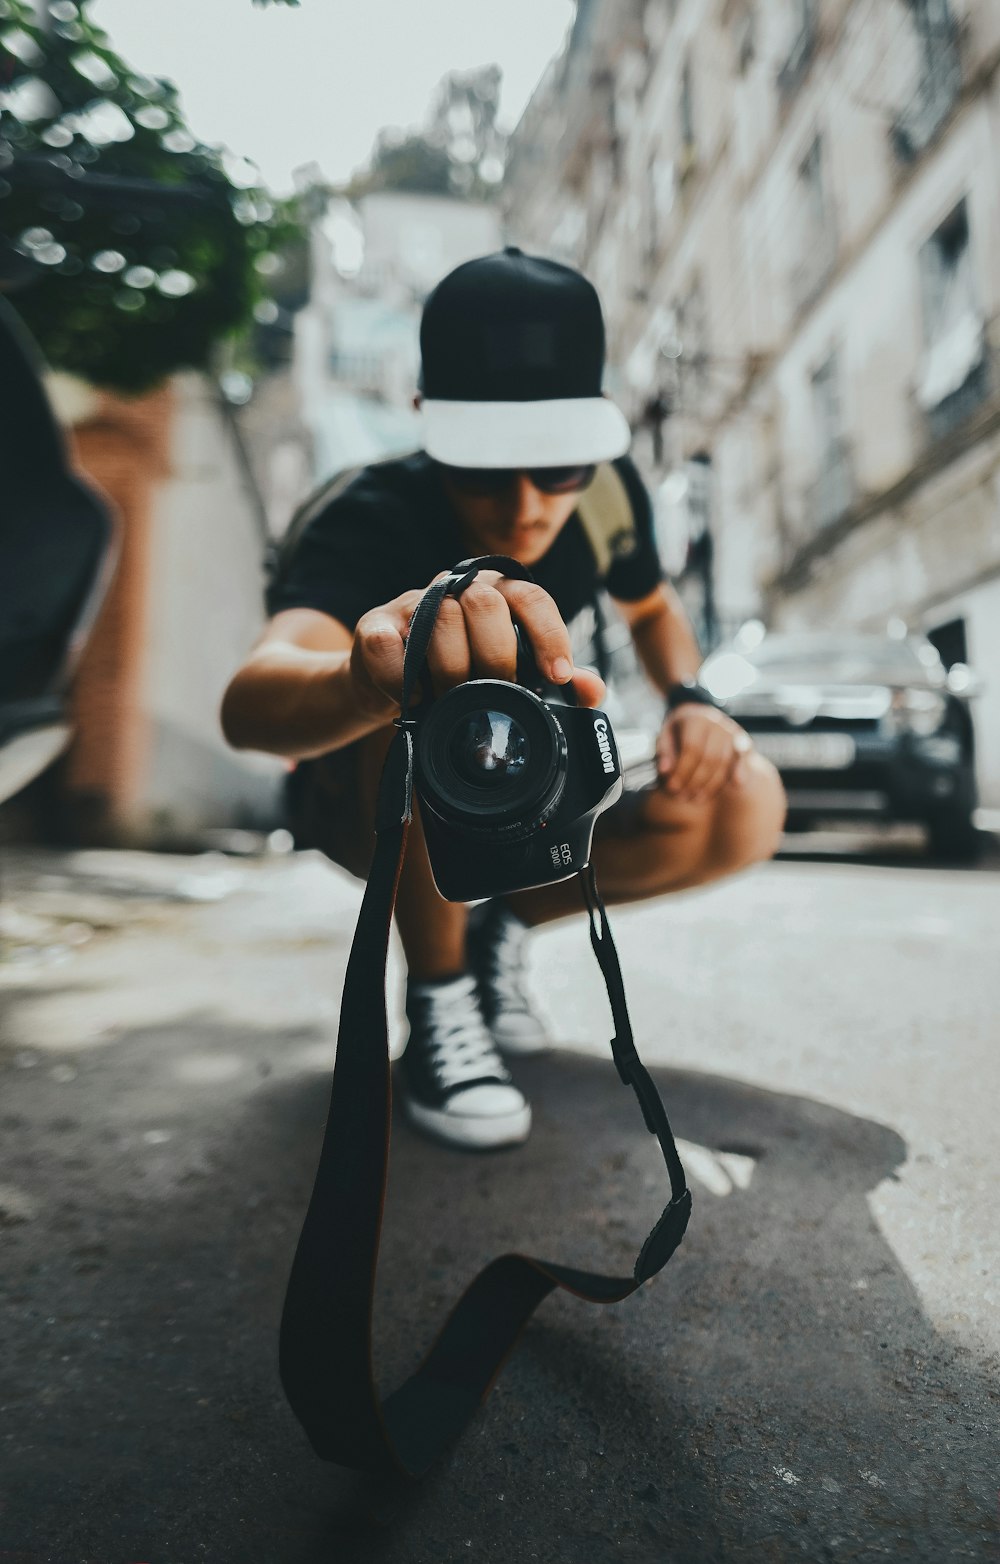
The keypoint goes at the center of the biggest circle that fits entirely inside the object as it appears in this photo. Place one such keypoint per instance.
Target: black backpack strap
(279, 554)
(326, 1329)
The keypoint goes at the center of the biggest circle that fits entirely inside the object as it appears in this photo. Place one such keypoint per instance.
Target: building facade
(792, 212)
(357, 353)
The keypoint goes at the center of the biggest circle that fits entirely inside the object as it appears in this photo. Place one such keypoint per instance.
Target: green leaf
(119, 283)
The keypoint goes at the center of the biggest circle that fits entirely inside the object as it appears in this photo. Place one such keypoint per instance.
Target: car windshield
(843, 659)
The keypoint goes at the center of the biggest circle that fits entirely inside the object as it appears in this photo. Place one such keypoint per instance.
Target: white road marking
(717, 1171)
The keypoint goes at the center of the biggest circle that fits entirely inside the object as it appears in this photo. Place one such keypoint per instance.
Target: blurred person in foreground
(514, 424)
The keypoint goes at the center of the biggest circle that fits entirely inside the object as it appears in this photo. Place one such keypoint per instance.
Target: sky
(290, 86)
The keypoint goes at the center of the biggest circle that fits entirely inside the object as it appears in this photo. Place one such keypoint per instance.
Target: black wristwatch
(688, 692)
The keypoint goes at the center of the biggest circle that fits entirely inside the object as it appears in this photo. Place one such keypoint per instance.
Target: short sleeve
(351, 556)
(633, 575)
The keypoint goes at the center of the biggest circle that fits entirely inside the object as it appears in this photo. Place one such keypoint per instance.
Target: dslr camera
(511, 779)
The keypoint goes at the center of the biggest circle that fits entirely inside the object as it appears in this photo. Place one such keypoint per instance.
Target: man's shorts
(325, 808)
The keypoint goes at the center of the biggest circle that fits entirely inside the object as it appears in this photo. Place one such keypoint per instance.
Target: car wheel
(952, 836)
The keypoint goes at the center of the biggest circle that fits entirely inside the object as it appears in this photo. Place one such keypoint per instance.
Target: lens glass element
(488, 749)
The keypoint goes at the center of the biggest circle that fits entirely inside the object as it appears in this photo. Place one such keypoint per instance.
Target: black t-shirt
(392, 529)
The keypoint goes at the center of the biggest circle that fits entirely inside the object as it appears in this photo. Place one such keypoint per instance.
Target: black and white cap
(512, 355)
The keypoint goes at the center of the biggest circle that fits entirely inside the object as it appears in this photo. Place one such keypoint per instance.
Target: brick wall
(122, 447)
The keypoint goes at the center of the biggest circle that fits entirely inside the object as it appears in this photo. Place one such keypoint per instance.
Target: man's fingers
(533, 608)
(734, 747)
(474, 636)
(689, 757)
(490, 630)
(378, 647)
(732, 767)
(713, 771)
(589, 687)
(405, 605)
(448, 655)
(666, 751)
(741, 769)
(704, 771)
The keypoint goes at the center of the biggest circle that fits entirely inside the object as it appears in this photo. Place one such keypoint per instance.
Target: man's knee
(330, 801)
(749, 816)
(690, 843)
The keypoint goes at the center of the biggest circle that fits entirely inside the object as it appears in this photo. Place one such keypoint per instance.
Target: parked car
(860, 727)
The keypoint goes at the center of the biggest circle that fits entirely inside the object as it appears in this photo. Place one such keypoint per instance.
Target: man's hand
(698, 752)
(472, 639)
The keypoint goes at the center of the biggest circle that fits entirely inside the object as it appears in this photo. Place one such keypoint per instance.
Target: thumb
(590, 688)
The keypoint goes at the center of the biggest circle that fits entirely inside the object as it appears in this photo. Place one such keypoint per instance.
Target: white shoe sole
(507, 1129)
(520, 1046)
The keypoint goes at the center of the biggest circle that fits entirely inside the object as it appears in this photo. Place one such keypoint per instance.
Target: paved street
(813, 1377)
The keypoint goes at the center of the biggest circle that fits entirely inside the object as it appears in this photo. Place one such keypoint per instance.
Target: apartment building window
(802, 48)
(657, 20)
(817, 249)
(692, 331)
(812, 175)
(687, 105)
(954, 377)
(698, 580)
(938, 77)
(833, 490)
(687, 153)
(608, 140)
(743, 30)
(660, 194)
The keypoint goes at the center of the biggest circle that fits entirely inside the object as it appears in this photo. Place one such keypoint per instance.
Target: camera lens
(489, 749)
(490, 757)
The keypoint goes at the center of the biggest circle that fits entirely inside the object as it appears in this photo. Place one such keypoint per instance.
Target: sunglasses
(494, 480)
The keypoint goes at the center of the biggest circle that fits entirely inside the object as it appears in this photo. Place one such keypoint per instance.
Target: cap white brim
(524, 434)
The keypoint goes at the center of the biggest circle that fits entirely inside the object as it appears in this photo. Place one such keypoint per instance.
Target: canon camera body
(511, 779)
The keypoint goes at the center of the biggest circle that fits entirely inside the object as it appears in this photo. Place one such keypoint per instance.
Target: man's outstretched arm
(311, 685)
(699, 748)
(295, 695)
(663, 636)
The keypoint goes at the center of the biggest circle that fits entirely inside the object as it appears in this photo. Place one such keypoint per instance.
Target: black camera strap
(325, 1351)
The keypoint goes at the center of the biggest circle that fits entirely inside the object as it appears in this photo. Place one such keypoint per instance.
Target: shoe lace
(459, 1046)
(505, 967)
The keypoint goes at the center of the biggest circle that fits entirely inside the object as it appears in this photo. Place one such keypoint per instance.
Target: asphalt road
(813, 1376)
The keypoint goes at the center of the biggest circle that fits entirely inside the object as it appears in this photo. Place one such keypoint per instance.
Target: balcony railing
(833, 492)
(799, 56)
(809, 276)
(979, 386)
(915, 127)
(959, 373)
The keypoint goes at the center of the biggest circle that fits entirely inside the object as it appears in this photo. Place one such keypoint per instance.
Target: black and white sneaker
(455, 1085)
(496, 943)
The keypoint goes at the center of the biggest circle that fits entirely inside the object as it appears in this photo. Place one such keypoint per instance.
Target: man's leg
(654, 845)
(432, 930)
(657, 844)
(454, 1084)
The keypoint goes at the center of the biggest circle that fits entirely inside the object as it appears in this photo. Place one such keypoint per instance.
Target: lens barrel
(491, 758)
